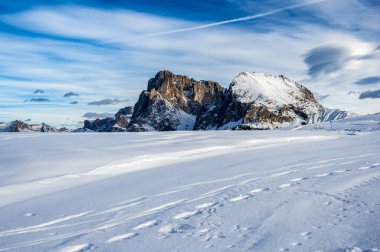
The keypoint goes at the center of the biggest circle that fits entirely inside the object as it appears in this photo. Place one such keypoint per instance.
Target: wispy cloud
(70, 94)
(38, 100)
(368, 80)
(93, 115)
(370, 94)
(235, 20)
(326, 59)
(38, 91)
(107, 102)
(85, 49)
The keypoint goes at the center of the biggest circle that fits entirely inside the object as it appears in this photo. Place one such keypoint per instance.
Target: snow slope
(311, 189)
(275, 102)
(261, 87)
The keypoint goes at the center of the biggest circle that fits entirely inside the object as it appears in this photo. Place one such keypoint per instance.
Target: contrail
(199, 27)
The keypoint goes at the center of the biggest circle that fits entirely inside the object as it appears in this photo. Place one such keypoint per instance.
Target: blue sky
(89, 58)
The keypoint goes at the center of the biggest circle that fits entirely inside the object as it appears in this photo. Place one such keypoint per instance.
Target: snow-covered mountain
(252, 101)
(176, 102)
(20, 126)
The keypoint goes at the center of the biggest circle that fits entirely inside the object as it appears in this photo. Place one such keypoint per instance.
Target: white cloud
(114, 59)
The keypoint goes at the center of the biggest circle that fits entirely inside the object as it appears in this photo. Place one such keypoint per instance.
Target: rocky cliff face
(101, 125)
(252, 101)
(118, 123)
(176, 102)
(123, 117)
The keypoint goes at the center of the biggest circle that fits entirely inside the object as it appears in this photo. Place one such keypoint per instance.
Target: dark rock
(117, 124)
(102, 125)
(20, 126)
(174, 102)
(48, 128)
(123, 116)
(253, 101)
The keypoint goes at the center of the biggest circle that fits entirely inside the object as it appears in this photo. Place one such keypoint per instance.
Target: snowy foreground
(283, 190)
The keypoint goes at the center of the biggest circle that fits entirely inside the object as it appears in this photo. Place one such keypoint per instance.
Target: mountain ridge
(20, 126)
(253, 101)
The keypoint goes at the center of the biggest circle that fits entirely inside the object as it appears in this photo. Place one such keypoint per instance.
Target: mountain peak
(250, 87)
(254, 100)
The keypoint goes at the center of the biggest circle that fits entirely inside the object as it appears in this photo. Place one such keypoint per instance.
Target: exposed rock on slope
(175, 102)
(261, 101)
(117, 123)
(20, 126)
(123, 116)
(101, 125)
(253, 101)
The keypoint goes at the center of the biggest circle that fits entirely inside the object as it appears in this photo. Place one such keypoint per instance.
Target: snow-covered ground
(309, 189)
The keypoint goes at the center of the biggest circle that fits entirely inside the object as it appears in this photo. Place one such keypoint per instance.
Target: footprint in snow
(122, 237)
(203, 231)
(239, 198)
(206, 205)
(78, 248)
(147, 224)
(298, 179)
(259, 190)
(236, 228)
(29, 214)
(306, 235)
(368, 212)
(295, 244)
(281, 173)
(323, 175)
(369, 167)
(340, 171)
(186, 215)
(284, 249)
(175, 228)
(285, 185)
(363, 168)
(218, 235)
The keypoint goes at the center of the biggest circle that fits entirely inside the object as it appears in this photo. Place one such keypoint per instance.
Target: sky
(65, 61)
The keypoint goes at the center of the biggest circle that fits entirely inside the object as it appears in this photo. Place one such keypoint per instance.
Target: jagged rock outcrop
(252, 101)
(48, 128)
(118, 123)
(155, 113)
(64, 129)
(20, 126)
(176, 102)
(101, 125)
(123, 116)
